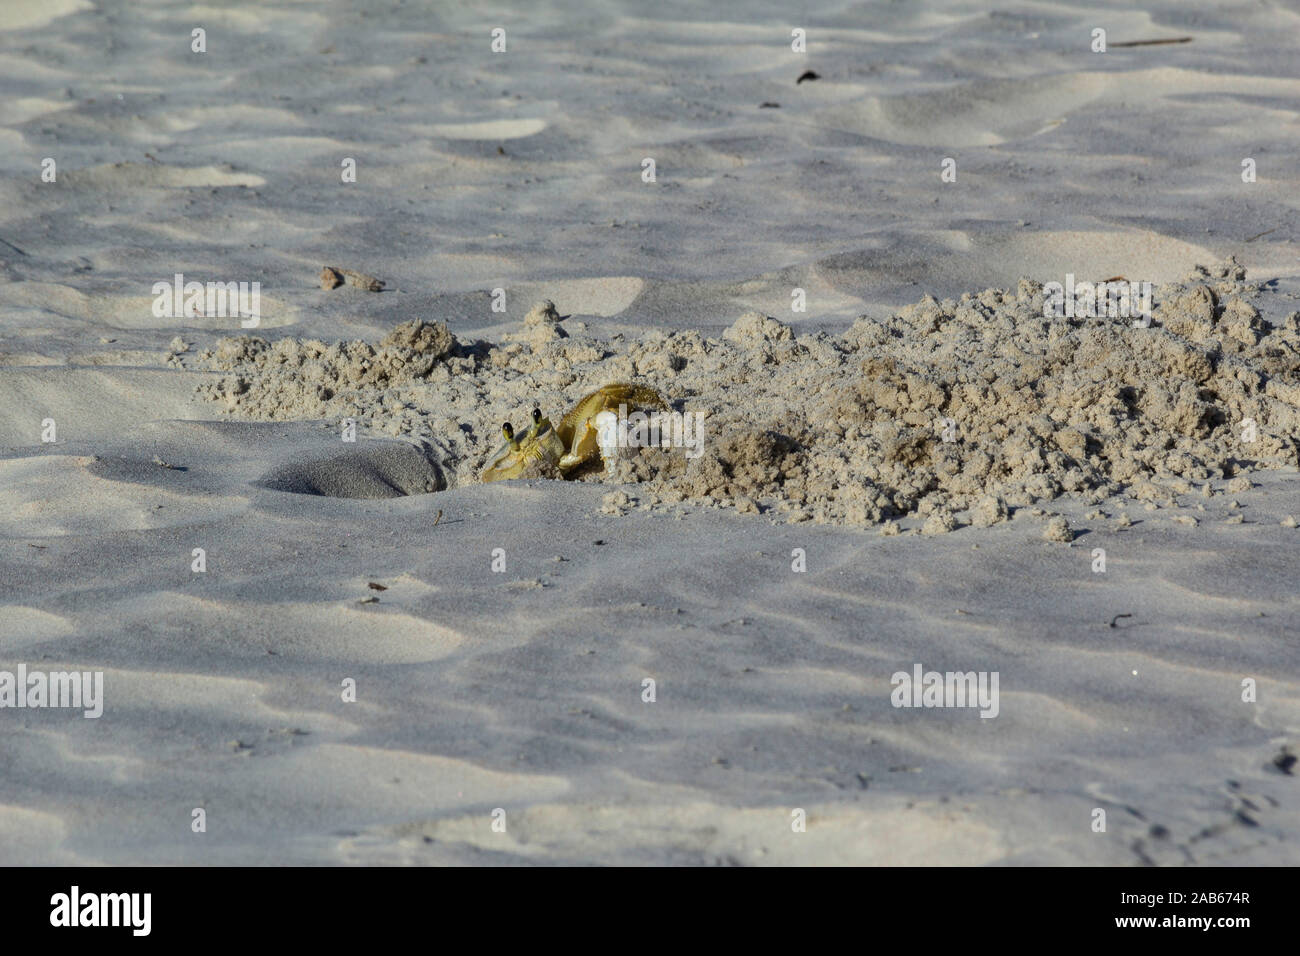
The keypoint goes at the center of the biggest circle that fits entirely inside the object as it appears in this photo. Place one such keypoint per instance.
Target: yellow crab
(576, 443)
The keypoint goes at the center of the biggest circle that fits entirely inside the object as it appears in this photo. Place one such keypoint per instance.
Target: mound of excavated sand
(945, 408)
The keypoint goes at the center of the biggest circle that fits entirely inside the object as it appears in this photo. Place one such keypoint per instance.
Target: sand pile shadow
(365, 470)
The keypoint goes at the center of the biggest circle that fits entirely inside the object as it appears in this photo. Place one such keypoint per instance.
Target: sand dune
(326, 562)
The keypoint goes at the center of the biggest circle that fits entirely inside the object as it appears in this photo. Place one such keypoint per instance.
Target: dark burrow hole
(368, 469)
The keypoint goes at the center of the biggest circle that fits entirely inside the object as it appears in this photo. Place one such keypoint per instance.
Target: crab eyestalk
(509, 432)
(534, 428)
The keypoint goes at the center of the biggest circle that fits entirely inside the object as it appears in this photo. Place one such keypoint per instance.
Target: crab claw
(611, 438)
(580, 430)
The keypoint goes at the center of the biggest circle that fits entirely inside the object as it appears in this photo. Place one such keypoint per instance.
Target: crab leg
(578, 431)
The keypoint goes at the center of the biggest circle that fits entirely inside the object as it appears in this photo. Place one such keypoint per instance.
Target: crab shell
(533, 454)
(585, 436)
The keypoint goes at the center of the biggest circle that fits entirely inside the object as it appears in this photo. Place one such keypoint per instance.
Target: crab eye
(537, 415)
(508, 431)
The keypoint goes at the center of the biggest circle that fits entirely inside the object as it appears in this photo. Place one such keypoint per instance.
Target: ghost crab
(586, 436)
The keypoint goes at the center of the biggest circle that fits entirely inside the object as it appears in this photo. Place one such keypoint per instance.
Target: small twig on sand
(437, 519)
(1117, 617)
(13, 247)
(1261, 235)
(1154, 42)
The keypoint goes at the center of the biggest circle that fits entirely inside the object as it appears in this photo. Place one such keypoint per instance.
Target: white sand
(522, 690)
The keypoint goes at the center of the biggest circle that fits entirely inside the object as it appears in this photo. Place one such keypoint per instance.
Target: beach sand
(826, 539)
